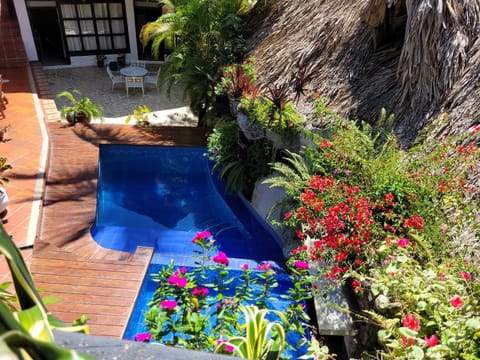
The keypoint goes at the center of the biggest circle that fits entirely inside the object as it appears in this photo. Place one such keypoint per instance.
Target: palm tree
(205, 35)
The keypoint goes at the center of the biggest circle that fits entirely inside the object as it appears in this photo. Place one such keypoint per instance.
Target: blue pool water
(161, 197)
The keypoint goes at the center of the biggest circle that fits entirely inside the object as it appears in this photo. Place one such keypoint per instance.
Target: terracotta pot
(82, 118)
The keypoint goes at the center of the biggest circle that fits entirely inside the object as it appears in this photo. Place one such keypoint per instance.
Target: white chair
(151, 79)
(116, 78)
(134, 82)
(138, 64)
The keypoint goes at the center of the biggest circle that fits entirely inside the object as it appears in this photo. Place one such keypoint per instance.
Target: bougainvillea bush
(388, 223)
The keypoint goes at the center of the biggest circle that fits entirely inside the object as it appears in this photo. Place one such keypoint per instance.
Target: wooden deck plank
(66, 262)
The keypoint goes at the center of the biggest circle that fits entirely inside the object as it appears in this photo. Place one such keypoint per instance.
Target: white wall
(25, 30)
(76, 61)
(132, 36)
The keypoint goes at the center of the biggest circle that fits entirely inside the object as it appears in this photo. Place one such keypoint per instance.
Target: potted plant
(3, 131)
(271, 116)
(237, 80)
(80, 110)
(101, 60)
(3, 193)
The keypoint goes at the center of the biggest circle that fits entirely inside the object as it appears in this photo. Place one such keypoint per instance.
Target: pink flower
(302, 265)
(465, 275)
(264, 266)
(288, 215)
(431, 341)
(200, 292)
(182, 270)
(411, 322)
(221, 258)
(201, 236)
(181, 282)
(227, 348)
(143, 337)
(403, 242)
(245, 267)
(169, 304)
(456, 302)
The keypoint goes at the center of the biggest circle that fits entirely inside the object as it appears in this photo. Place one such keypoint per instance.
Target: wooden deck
(67, 263)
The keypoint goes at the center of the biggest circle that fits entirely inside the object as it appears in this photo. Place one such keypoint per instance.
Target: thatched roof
(417, 59)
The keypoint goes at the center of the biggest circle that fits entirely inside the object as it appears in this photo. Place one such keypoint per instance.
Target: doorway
(145, 13)
(47, 35)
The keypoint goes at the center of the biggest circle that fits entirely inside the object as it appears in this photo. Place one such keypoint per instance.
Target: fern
(295, 172)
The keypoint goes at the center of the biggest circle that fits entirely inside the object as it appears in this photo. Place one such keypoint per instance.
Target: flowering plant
(386, 223)
(439, 310)
(201, 308)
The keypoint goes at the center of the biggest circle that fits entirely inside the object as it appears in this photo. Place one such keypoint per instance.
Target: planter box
(251, 130)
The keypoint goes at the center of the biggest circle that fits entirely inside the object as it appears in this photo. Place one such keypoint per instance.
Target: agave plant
(25, 323)
(263, 339)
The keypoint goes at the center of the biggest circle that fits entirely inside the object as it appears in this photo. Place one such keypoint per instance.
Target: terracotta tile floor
(54, 205)
(24, 148)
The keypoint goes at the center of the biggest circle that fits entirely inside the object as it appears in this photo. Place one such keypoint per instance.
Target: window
(92, 27)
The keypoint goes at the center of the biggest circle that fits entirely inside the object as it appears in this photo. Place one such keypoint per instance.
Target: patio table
(133, 71)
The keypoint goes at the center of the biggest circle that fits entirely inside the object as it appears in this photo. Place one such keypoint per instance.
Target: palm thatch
(416, 58)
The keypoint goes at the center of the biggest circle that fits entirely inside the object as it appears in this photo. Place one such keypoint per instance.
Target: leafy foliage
(210, 308)
(205, 36)
(26, 332)
(238, 161)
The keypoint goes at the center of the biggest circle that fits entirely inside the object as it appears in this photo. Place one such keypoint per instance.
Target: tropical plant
(237, 80)
(273, 114)
(238, 161)
(82, 109)
(26, 331)
(205, 36)
(141, 115)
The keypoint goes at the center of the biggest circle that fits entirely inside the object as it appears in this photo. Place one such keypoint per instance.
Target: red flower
(456, 302)
(415, 222)
(411, 322)
(431, 341)
(465, 275)
(407, 341)
(221, 258)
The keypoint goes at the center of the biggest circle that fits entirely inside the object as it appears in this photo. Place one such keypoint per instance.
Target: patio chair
(138, 64)
(116, 78)
(151, 79)
(134, 82)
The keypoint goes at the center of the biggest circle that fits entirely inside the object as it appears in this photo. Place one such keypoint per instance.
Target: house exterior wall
(25, 29)
(76, 61)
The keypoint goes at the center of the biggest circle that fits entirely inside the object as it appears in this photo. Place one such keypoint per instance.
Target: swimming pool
(161, 197)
